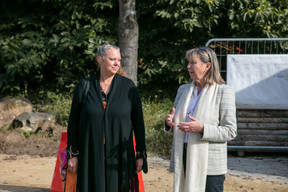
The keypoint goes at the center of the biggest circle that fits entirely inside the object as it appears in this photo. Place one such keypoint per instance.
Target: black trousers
(214, 183)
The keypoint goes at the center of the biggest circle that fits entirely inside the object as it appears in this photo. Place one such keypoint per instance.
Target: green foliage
(58, 103)
(267, 18)
(155, 111)
(157, 103)
(26, 134)
(162, 45)
(5, 127)
(179, 25)
(51, 44)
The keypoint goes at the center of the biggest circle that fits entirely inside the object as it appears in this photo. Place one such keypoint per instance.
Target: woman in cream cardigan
(202, 120)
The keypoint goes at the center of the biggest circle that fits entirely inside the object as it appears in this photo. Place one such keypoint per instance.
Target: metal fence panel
(224, 46)
(258, 130)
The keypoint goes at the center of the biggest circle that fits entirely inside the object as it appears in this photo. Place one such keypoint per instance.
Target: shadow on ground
(13, 188)
(268, 165)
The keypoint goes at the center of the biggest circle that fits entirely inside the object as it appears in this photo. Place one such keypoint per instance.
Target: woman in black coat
(106, 110)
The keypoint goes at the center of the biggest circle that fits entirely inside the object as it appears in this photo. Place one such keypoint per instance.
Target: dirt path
(34, 174)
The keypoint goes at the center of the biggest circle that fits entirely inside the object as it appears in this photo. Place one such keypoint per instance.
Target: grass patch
(59, 104)
(26, 134)
(5, 127)
(158, 142)
(155, 110)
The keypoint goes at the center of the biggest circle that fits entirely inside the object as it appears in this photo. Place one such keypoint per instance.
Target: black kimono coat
(110, 167)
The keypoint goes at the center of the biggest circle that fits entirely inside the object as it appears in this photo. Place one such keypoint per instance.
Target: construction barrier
(140, 179)
(56, 185)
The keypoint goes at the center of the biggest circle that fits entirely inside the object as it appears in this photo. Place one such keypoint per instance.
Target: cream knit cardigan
(197, 150)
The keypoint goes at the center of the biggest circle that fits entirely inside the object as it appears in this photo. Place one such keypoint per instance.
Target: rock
(35, 120)
(25, 128)
(11, 108)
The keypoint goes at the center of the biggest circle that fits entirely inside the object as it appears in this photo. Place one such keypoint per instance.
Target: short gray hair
(102, 50)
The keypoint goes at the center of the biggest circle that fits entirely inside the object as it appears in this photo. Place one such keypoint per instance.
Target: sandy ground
(27, 165)
(264, 174)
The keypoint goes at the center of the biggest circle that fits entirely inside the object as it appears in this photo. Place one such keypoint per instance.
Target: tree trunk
(128, 32)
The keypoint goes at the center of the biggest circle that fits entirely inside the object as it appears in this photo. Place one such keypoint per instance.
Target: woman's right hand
(73, 164)
(169, 118)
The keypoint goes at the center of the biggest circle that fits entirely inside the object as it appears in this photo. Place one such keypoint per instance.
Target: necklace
(107, 84)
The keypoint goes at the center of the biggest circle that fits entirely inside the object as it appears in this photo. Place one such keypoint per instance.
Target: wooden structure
(259, 130)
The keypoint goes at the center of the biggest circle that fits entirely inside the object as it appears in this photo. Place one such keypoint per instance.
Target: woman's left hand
(139, 164)
(193, 126)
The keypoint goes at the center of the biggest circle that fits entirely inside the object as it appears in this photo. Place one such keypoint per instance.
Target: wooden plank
(262, 120)
(262, 132)
(280, 138)
(260, 127)
(263, 126)
(257, 149)
(257, 143)
(262, 113)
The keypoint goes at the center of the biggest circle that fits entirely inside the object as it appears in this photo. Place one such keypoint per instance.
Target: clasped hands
(194, 126)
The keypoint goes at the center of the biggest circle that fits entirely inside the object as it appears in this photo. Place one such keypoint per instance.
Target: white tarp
(260, 81)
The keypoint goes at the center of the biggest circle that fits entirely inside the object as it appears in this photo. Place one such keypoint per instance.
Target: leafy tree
(50, 44)
(170, 27)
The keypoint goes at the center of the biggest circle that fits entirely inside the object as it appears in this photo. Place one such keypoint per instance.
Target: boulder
(35, 120)
(11, 108)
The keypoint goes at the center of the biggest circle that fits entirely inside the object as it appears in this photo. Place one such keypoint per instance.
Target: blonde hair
(206, 55)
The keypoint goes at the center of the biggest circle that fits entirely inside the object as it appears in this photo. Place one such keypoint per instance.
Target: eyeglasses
(204, 48)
